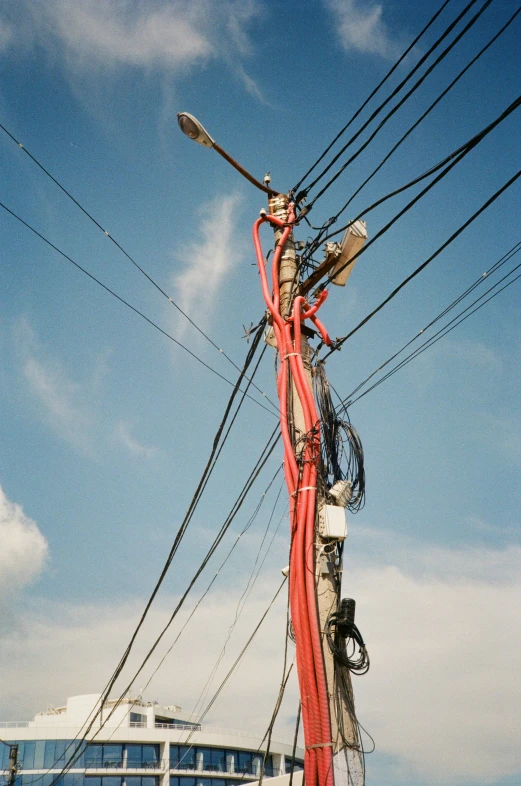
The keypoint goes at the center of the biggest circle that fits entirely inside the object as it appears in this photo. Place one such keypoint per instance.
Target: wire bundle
(342, 451)
(302, 457)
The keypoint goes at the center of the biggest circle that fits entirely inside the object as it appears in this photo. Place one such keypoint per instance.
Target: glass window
(39, 753)
(93, 781)
(186, 758)
(49, 754)
(150, 755)
(298, 765)
(111, 780)
(214, 759)
(136, 717)
(112, 756)
(149, 780)
(243, 763)
(93, 756)
(134, 755)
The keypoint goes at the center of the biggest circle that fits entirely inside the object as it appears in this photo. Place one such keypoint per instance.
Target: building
(141, 744)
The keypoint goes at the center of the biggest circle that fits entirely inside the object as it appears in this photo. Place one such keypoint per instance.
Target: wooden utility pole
(326, 594)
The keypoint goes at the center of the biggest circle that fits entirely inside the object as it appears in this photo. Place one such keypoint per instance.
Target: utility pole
(325, 680)
(13, 765)
(326, 592)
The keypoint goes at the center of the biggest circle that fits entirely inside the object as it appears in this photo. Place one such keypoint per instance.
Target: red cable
(302, 489)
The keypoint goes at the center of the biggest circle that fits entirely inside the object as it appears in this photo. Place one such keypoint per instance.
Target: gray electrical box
(332, 522)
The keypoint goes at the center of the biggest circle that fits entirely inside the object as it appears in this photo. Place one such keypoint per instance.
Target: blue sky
(106, 425)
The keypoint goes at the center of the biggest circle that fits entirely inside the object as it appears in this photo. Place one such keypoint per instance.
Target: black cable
(429, 260)
(440, 334)
(295, 739)
(342, 455)
(123, 251)
(126, 303)
(418, 65)
(448, 163)
(346, 402)
(278, 701)
(238, 659)
(246, 592)
(376, 89)
(218, 444)
(430, 108)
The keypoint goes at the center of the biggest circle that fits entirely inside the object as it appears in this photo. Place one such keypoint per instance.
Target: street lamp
(193, 129)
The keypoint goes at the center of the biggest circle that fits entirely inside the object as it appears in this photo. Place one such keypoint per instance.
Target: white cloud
(6, 36)
(444, 634)
(169, 35)
(207, 261)
(23, 547)
(58, 397)
(360, 28)
(124, 435)
(101, 32)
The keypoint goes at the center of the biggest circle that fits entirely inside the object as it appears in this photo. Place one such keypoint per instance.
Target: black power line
(448, 163)
(418, 65)
(429, 260)
(129, 305)
(123, 251)
(430, 108)
(373, 93)
(441, 333)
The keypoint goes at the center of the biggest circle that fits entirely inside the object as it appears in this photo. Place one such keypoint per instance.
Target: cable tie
(320, 745)
(304, 488)
(290, 354)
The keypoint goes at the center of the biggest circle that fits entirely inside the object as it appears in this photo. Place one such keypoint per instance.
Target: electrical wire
(430, 108)
(433, 256)
(237, 660)
(126, 303)
(243, 598)
(123, 251)
(210, 585)
(446, 165)
(482, 278)
(372, 94)
(218, 444)
(418, 65)
(445, 330)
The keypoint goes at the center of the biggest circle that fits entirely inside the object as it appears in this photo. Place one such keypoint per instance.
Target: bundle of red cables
(300, 469)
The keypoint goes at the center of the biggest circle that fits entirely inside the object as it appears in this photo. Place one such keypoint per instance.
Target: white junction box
(332, 522)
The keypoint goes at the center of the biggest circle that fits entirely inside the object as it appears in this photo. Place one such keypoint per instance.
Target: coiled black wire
(342, 454)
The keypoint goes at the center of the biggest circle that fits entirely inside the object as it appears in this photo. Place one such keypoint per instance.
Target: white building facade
(141, 744)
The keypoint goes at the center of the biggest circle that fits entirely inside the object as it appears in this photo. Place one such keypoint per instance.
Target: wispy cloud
(123, 433)
(59, 399)
(23, 548)
(360, 28)
(207, 261)
(170, 35)
(68, 407)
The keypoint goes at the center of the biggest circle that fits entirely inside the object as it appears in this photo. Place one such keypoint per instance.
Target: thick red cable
(301, 484)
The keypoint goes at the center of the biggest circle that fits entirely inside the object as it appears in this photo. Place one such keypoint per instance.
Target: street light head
(193, 129)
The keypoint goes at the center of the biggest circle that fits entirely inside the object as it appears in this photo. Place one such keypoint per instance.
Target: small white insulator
(267, 178)
(285, 571)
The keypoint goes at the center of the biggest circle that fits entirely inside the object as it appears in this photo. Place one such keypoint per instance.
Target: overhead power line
(448, 163)
(372, 94)
(377, 111)
(442, 332)
(430, 108)
(123, 250)
(429, 260)
(129, 305)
